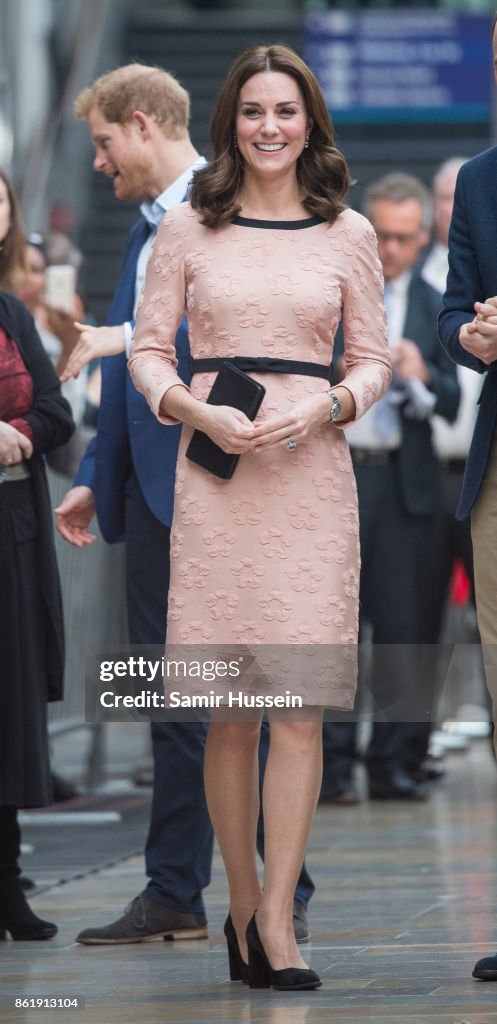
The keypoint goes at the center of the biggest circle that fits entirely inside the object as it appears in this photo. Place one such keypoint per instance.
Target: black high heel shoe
(238, 969)
(261, 974)
(17, 917)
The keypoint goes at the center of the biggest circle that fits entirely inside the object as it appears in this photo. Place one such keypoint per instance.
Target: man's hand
(479, 337)
(93, 343)
(74, 516)
(487, 310)
(408, 362)
(14, 446)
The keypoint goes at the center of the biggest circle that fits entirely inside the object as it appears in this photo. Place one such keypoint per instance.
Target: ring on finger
(291, 444)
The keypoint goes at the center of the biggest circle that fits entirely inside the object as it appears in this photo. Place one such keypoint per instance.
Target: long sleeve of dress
(153, 362)
(269, 292)
(270, 556)
(367, 356)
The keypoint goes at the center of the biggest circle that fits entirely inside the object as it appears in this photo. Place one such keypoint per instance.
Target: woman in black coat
(34, 420)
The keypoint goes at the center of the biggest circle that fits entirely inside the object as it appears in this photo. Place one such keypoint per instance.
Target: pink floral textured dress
(270, 558)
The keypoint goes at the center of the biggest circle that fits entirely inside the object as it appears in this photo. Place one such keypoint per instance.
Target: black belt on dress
(261, 364)
(373, 456)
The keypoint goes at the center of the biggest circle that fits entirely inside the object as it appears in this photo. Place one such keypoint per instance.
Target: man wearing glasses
(397, 480)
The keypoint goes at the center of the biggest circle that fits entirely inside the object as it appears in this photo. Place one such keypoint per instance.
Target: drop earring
(306, 143)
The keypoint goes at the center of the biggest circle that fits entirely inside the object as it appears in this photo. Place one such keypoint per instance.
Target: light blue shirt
(153, 211)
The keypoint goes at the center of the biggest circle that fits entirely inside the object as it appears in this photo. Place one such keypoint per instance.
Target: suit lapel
(124, 296)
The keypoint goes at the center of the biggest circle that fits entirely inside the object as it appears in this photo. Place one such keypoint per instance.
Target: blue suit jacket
(128, 433)
(473, 277)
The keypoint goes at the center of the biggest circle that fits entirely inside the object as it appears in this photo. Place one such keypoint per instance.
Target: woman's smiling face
(271, 124)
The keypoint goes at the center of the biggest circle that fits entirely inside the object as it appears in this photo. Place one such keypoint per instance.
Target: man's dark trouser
(178, 851)
(395, 548)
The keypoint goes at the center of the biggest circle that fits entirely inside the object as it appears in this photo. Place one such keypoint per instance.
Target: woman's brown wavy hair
(322, 171)
(13, 247)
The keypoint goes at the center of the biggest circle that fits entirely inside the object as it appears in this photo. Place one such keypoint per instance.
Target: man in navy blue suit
(138, 119)
(468, 330)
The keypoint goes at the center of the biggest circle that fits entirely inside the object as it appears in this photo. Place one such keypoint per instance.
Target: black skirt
(24, 761)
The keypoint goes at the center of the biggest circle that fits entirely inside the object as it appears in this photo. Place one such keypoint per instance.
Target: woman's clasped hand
(233, 432)
(266, 259)
(229, 428)
(14, 446)
(299, 421)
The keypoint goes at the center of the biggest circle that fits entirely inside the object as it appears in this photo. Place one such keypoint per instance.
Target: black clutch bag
(235, 388)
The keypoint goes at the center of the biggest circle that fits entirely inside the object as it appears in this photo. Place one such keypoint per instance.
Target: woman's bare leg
(232, 791)
(291, 789)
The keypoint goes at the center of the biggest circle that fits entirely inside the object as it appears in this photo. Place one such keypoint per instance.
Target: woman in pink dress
(266, 258)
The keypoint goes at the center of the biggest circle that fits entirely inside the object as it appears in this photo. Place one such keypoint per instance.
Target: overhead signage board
(390, 66)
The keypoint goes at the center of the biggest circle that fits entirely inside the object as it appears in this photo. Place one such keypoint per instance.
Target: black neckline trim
(279, 225)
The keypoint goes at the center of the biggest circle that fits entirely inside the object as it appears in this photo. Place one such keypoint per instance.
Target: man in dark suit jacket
(138, 119)
(397, 477)
(471, 340)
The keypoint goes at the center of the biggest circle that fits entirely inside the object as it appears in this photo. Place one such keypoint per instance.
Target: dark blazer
(472, 278)
(416, 464)
(51, 422)
(128, 433)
